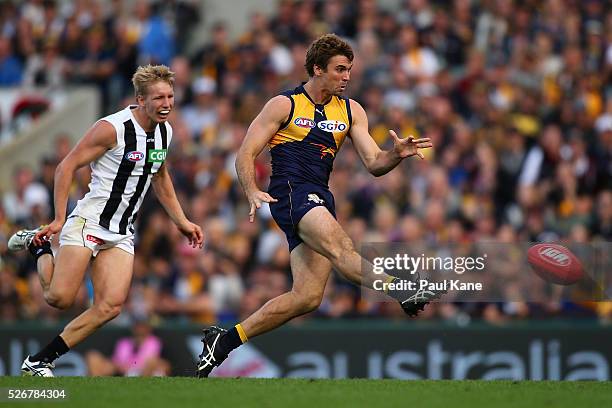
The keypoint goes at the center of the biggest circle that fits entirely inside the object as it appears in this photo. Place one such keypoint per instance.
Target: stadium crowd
(516, 95)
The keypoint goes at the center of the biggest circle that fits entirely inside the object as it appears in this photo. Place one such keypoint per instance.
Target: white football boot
(36, 368)
(22, 239)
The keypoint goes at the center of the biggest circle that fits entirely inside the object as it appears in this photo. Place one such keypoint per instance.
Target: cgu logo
(332, 126)
(304, 123)
(157, 155)
(134, 156)
(554, 256)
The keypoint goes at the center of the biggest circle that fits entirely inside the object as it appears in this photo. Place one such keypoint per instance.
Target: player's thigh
(111, 276)
(310, 270)
(71, 263)
(321, 232)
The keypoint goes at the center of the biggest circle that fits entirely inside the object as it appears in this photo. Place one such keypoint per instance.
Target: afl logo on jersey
(332, 126)
(134, 156)
(304, 123)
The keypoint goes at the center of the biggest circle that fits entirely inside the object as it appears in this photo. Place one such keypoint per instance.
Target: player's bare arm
(164, 190)
(377, 161)
(263, 128)
(98, 139)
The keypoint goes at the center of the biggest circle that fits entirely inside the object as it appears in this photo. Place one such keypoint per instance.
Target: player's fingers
(420, 155)
(424, 145)
(252, 213)
(192, 239)
(201, 240)
(409, 139)
(40, 235)
(394, 135)
(199, 237)
(269, 199)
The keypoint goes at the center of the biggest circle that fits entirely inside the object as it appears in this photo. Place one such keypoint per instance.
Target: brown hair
(147, 75)
(323, 49)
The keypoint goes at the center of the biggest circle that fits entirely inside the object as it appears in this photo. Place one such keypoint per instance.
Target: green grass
(294, 393)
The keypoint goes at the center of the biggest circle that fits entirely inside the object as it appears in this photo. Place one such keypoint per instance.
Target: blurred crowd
(516, 96)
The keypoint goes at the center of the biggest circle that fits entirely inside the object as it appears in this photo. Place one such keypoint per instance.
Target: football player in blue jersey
(304, 128)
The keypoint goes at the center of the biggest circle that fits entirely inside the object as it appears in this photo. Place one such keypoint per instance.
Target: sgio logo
(157, 155)
(332, 126)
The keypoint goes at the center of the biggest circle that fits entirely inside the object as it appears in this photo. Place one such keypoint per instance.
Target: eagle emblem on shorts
(315, 199)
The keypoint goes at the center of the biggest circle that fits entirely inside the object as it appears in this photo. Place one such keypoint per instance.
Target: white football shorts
(81, 232)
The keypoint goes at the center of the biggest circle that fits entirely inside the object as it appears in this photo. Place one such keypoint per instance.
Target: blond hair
(147, 75)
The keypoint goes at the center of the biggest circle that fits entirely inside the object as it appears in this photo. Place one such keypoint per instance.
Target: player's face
(337, 74)
(159, 101)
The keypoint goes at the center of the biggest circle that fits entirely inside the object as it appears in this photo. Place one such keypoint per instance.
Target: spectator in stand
(134, 356)
(11, 71)
(28, 202)
(46, 68)
(202, 113)
(155, 40)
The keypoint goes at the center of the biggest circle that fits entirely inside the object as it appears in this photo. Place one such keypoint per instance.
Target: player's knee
(340, 249)
(309, 302)
(58, 300)
(108, 311)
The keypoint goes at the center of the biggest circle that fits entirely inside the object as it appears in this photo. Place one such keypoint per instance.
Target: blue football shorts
(295, 199)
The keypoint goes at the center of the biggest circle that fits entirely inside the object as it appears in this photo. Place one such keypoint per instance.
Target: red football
(555, 263)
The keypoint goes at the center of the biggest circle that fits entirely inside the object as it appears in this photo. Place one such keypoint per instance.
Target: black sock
(40, 250)
(53, 350)
(229, 341)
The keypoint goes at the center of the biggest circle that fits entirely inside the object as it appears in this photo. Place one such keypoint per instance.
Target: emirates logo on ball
(554, 256)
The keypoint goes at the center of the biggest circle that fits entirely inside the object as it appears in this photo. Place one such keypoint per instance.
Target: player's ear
(318, 71)
(140, 100)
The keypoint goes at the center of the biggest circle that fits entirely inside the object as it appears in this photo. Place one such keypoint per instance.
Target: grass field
(294, 393)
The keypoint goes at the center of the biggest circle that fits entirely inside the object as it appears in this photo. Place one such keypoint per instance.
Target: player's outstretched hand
(409, 146)
(47, 232)
(255, 200)
(194, 234)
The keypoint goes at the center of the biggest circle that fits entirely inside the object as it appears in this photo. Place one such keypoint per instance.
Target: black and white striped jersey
(121, 177)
